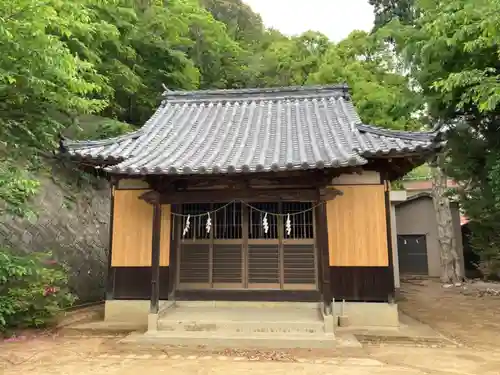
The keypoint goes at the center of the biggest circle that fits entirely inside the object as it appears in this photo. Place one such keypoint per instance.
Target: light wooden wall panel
(132, 231)
(357, 227)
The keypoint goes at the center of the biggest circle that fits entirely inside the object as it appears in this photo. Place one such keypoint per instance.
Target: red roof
(423, 184)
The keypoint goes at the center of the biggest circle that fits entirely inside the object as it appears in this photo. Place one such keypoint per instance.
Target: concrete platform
(257, 325)
(409, 331)
(243, 341)
(241, 325)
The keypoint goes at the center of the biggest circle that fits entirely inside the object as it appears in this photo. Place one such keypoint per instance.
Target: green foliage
(365, 62)
(38, 74)
(33, 289)
(97, 127)
(243, 25)
(422, 172)
(387, 10)
(39, 78)
(17, 187)
(382, 95)
(138, 49)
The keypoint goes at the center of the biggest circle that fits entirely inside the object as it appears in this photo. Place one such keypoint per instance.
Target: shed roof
(415, 197)
(422, 195)
(251, 130)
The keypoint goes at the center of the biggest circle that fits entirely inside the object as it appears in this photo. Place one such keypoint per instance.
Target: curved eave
(90, 159)
(404, 152)
(398, 134)
(379, 142)
(69, 144)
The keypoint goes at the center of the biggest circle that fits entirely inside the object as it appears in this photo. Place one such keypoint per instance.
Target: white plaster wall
(132, 184)
(367, 177)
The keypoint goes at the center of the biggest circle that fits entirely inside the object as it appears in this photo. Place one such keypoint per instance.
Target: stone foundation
(130, 311)
(366, 314)
(359, 314)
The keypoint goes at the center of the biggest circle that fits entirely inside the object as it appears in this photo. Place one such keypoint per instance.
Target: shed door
(412, 251)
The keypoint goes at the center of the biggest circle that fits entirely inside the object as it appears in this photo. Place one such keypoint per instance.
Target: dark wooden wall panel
(135, 283)
(362, 284)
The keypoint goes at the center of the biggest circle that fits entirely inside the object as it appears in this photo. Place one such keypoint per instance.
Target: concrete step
(241, 340)
(250, 327)
(247, 320)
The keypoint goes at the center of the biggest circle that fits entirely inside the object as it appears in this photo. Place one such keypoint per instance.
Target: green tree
(385, 11)
(452, 50)
(41, 81)
(243, 24)
(382, 94)
(219, 58)
(288, 60)
(138, 54)
(178, 45)
(39, 76)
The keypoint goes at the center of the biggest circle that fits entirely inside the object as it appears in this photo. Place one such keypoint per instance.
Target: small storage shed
(417, 232)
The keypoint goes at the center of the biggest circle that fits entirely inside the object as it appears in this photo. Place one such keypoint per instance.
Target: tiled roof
(250, 130)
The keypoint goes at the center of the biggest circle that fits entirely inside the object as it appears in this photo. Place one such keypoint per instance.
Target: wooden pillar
(390, 250)
(110, 280)
(322, 243)
(155, 258)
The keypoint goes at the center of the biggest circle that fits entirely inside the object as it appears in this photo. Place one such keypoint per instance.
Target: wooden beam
(309, 178)
(214, 196)
(271, 195)
(329, 194)
(151, 197)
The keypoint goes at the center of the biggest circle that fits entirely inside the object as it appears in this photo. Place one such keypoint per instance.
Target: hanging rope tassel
(209, 223)
(186, 227)
(288, 225)
(246, 204)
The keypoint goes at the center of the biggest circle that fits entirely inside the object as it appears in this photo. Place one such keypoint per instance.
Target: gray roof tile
(251, 130)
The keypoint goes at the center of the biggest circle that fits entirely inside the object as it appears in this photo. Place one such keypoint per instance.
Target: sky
(334, 18)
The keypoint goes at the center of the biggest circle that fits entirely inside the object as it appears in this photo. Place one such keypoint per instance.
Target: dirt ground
(471, 320)
(458, 313)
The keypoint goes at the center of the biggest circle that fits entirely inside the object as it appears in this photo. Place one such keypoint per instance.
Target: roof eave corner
(346, 91)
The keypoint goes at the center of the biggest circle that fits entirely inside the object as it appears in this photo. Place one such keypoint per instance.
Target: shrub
(33, 289)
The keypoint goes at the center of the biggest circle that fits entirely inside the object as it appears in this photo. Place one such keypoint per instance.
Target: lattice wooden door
(238, 253)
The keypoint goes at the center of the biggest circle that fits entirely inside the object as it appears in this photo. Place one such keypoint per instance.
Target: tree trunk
(450, 262)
